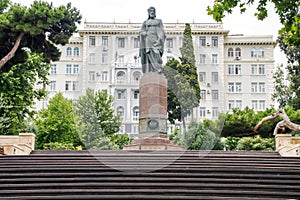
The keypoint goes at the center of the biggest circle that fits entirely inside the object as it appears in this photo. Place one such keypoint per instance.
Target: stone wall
(287, 145)
(21, 144)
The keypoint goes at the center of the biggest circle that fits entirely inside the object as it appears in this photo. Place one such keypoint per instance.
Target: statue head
(151, 13)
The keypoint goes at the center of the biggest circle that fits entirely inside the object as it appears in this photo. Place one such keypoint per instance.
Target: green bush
(58, 146)
(231, 143)
(256, 144)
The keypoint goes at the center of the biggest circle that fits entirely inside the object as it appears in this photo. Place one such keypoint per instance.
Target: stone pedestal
(153, 104)
(153, 115)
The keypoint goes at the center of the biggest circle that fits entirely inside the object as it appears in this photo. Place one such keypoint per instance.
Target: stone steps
(149, 175)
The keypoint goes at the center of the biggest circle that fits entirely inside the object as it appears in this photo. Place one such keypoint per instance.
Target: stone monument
(153, 89)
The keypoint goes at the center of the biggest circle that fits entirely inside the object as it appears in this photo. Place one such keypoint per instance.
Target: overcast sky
(184, 11)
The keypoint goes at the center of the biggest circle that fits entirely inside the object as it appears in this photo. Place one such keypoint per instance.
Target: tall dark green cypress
(183, 85)
(188, 61)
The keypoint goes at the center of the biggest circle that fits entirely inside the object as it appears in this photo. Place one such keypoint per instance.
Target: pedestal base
(155, 143)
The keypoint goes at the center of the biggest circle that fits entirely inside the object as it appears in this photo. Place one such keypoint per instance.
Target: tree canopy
(28, 39)
(97, 123)
(37, 28)
(57, 123)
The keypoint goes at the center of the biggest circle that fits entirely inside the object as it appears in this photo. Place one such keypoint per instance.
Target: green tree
(57, 123)
(183, 85)
(38, 28)
(19, 88)
(121, 139)
(97, 123)
(289, 40)
(241, 123)
(4, 121)
(282, 93)
(28, 39)
(109, 122)
(197, 137)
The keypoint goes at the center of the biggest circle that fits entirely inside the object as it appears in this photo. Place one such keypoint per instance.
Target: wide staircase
(149, 175)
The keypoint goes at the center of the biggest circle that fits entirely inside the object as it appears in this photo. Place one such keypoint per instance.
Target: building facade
(234, 71)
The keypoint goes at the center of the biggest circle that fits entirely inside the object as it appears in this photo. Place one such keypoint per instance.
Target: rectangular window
(238, 69)
(104, 41)
(121, 42)
(261, 53)
(202, 40)
(254, 104)
(254, 70)
(202, 76)
(230, 104)
(120, 94)
(215, 112)
(202, 111)
(214, 58)
(104, 58)
(202, 58)
(238, 104)
(52, 85)
(215, 94)
(76, 69)
(104, 76)
(230, 87)
(235, 104)
(258, 70)
(92, 75)
(215, 77)
(136, 43)
(253, 87)
(203, 94)
(92, 58)
(258, 87)
(169, 43)
(261, 87)
(53, 69)
(262, 105)
(230, 69)
(234, 69)
(238, 87)
(92, 41)
(214, 41)
(235, 87)
(261, 69)
(75, 85)
(121, 61)
(68, 69)
(136, 94)
(68, 85)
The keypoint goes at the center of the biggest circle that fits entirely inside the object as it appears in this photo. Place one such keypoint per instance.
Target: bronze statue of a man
(152, 39)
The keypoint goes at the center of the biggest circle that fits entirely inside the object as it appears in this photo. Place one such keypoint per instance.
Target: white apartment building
(234, 71)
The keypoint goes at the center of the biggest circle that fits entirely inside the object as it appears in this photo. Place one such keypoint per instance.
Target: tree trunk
(12, 52)
(285, 123)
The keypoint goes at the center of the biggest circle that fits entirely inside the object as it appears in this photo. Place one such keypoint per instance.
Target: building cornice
(251, 43)
(111, 32)
(102, 28)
